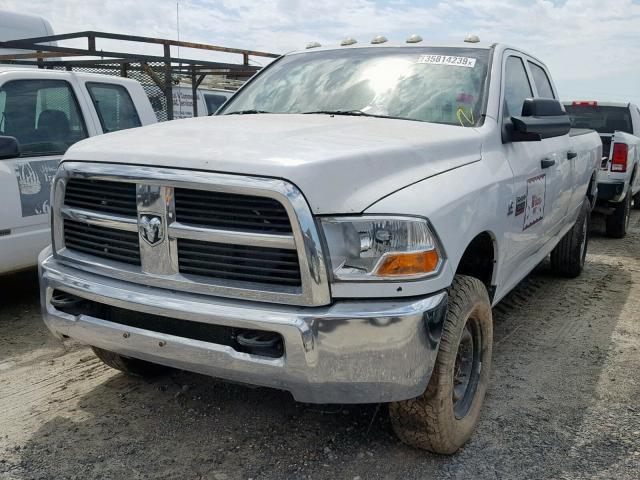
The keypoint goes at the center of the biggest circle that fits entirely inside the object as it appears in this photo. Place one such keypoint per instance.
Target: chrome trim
(99, 219)
(348, 352)
(160, 263)
(180, 230)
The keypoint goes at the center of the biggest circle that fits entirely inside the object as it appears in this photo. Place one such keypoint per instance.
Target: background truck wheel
(618, 221)
(636, 201)
(567, 258)
(443, 418)
(130, 366)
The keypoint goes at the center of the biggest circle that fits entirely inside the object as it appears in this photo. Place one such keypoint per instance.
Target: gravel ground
(564, 401)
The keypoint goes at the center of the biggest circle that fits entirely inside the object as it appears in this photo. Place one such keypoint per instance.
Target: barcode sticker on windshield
(447, 60)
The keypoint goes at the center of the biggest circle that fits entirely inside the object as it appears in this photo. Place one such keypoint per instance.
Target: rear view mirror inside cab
(541, 118)
(9, 147)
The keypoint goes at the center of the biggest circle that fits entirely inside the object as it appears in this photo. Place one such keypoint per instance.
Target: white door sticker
(447, 60)
(536, 188)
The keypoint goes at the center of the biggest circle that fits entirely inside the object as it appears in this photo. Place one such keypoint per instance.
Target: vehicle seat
(53, 125)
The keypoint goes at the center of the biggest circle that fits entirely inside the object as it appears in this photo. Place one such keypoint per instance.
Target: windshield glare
(439, 85)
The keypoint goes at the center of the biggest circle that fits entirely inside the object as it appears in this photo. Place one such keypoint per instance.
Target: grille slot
(102, 196)
(103, 242)
(229, 211)
(273, 266)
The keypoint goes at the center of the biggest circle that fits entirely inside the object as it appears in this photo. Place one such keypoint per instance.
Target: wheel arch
(480, 259)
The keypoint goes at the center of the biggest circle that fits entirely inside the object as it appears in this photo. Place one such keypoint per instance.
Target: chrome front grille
(231, 212)
(109, 243)
(102, 196)
(226, 235)
(277, 266)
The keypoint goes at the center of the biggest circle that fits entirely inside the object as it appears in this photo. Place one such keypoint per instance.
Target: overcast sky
(592, 47)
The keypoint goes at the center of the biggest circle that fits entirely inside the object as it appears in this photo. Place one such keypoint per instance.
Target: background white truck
(42, 113)
(340, 229)
(618, 176)
(209, 101)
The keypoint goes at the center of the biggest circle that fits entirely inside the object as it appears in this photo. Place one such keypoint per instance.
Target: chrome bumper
(348, 352)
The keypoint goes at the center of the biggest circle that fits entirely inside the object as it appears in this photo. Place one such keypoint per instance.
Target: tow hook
(257, 342)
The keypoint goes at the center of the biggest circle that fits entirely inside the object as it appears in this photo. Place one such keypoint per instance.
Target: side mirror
(9, 148)
(541, 118)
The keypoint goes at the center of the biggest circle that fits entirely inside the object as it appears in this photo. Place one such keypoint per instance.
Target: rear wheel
(636, 201)
(618, 221)
(443, 418)
(568, 257)
(128, 365)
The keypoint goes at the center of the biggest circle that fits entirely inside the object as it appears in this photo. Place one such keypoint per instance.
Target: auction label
(447, 60)
(536, 189)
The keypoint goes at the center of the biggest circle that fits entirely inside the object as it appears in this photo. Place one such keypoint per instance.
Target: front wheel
(128, 365)
(568, 257)
(443, 418)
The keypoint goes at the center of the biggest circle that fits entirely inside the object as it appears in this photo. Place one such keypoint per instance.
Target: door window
(516, 87)
(543, 85)
(43, 115)
(214, 101)
(115, 108)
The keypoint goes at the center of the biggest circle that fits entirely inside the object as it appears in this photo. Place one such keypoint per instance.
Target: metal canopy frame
(39, 54)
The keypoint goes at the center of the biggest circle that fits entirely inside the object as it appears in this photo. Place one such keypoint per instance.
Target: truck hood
(341, 164)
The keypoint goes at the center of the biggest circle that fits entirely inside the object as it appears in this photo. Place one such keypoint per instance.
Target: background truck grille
(238, 262)
(229, 211)
(109, 243)
(102, 196)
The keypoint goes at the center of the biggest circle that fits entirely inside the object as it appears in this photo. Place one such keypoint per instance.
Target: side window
(541, 80)
(115, 108)
(516, 86)
(214, 101)
(43, 115)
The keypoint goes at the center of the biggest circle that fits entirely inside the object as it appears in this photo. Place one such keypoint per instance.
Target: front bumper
(347, 352)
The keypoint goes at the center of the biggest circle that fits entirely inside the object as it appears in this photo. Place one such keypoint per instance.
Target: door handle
(546, 163)
(571, 155)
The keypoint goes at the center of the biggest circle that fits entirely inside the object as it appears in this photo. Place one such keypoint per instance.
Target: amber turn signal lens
(413, 263)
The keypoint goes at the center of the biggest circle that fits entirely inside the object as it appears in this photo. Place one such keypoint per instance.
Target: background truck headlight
(381, 248)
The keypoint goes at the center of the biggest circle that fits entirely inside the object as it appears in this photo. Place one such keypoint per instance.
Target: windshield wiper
(357, 113)
(247, 112)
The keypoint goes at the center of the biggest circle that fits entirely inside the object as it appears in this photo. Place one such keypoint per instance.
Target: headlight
(381, 248)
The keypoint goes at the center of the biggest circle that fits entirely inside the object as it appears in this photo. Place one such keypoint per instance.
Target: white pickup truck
(42, 113)
(619, 175)
(340, 229)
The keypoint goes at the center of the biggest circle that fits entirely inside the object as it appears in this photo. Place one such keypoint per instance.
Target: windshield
(439, 85)
(601, 119)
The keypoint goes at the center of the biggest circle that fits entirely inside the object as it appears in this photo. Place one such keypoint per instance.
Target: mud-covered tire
(128, 365)
(618, 221)
(568, 257)
(435, 421)
(636, 201)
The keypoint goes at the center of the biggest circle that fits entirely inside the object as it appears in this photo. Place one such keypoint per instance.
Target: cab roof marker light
(378, 39)
(585, 103)
(415, 38)
(313, 45)
(348, 41)
(472, 39)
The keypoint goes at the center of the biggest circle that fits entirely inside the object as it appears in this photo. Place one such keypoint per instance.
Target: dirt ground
(564, 401)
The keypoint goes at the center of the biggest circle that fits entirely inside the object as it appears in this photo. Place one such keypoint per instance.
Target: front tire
(128, 365)
(443, 418)
(618, 221)
(568, 257)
